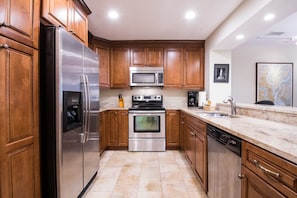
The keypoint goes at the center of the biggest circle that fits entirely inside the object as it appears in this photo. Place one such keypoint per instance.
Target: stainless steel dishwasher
(224, 164)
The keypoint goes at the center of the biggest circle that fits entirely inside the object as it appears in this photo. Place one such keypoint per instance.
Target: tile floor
(145, 174)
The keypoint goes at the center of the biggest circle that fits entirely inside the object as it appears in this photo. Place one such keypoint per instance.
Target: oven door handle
(145, 112)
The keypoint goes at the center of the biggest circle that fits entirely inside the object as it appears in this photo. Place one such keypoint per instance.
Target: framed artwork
(221, 73)
(274, 82)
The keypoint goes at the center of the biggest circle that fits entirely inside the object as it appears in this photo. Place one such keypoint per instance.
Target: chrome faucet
(233, 104)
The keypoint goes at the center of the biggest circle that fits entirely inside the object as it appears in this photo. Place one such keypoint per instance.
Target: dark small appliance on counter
(192, 98)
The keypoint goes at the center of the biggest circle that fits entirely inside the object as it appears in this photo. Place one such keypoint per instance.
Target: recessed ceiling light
(113, 14)
(190, 15)
(269, 17)
(240, 36)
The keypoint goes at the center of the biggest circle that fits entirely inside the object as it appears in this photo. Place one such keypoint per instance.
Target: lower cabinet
(116, 128)
(266, 175)
(195, 145)
(102, 137)
(172, 129)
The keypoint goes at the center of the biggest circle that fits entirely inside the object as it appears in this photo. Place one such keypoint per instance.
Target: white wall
(244, 60)
(217, 92)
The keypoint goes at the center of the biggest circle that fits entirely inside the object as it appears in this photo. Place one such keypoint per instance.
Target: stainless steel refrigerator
(69, 114)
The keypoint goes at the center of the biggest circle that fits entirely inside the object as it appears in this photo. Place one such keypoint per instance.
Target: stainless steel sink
(217, 115)
(214, 114)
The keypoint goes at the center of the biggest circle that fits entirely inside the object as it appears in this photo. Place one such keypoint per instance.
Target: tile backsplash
(172, 98)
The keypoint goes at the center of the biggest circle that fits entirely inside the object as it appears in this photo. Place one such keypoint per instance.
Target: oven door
(147, 124)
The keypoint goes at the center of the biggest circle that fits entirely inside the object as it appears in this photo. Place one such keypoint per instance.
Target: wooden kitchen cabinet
(195, 146)
(19, 120)
(147, 57)
(78, 21)
(172, 129)
(173, 67)
(19, 20)
(119, 67)
(266, 174)
(194, 68)
(56, 12)
(118, 129)
(104, 71)
(102, 136)
(70, 14)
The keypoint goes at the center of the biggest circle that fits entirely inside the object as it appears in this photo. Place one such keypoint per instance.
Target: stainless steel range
(147, 124)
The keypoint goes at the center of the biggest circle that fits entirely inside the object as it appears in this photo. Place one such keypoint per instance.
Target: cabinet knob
(240, 176)
(4, 24)
(5, 46)
(182, 122)
(192, 133)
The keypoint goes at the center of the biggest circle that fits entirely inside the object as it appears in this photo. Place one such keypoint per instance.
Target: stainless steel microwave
(146, 76)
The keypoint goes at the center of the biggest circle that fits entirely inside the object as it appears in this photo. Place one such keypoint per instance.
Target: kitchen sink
(216, 115)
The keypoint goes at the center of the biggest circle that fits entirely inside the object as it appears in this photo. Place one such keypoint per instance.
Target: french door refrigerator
(69, 103)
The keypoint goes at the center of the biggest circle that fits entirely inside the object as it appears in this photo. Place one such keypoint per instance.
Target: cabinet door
(189, 144)
(154, 57)
(103, 53)
(173, 67)
(102, 142)
(78, 23)
(123, 128)
(19, 121)
(200, 159)
(55, 11)
(19, 20)
(138, 56)
(172, 129)
(194, 68)
(113, 129)
(253, 186)
(120, 62)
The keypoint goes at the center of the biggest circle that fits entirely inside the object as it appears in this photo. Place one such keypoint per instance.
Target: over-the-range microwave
(146, 76)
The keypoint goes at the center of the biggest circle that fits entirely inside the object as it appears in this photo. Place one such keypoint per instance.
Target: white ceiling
(157, 19)
(164, 19)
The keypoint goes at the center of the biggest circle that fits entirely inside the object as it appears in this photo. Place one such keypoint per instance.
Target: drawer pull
(192, 133)
(5, 46)
(266, 170)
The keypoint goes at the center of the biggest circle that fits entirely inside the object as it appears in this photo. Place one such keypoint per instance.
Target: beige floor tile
(150, 185)
(112, 172)
(175, 190)
(150, 172)
(125, 191)
(104, 185)
(145, 174)
(150, 195)
(98, 195)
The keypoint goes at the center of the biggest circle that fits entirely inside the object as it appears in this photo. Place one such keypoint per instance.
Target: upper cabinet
(78, 22)
(119, 68)
(104, 74)
(55, 11)
(19, 20)
(147, 57)
(194, 68)
(70, 14)
(173, 67)
(183, 61)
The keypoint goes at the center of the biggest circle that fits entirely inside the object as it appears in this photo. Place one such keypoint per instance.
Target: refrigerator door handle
(88, 109)
(85, 109)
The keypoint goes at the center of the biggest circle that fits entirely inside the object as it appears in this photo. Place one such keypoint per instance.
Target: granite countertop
(278, 138)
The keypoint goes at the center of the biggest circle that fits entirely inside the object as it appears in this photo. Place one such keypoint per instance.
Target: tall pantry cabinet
(19, 111)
